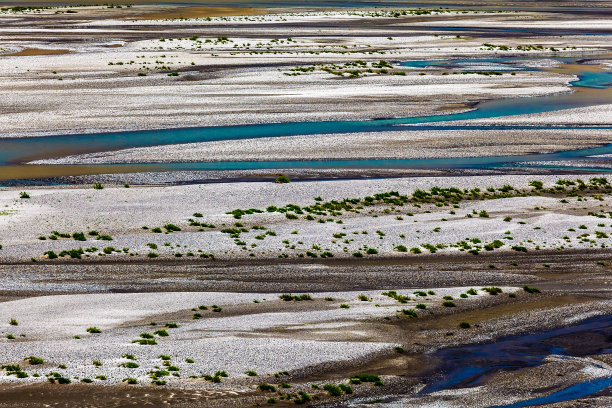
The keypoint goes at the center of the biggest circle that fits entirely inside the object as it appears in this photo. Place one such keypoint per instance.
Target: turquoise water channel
(21, 150)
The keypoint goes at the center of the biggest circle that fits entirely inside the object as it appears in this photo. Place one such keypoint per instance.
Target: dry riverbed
(373, 286)
(321, 292)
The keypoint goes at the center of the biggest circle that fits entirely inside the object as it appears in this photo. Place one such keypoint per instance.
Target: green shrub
(282, 179)
(332, 389)
(172, 228)
(79, 236)
(266, 388)
(145, 342)
(449, 304)
(289, 297)
(409, 312)
(50, 255)
(368, 378)
(346, 388)
(251, 373)
(93, 330)
(11, 367)
(464, 325)
(531, 290)
(493, 290)
(59, 379)
(536, 184)
(34, 360)
(302, 398)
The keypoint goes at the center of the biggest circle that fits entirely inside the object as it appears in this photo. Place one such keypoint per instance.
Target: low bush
(34, 360)
(266, 388)
(493, 290)
(289, 297)
(282, 179)
(332, 389)
(531, 290)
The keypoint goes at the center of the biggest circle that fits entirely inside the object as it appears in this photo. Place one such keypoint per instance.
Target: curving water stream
(592, 88)
(475, 365)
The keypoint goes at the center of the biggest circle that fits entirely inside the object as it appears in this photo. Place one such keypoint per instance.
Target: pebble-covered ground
(318, 293)
(392, 217)
(401, 257)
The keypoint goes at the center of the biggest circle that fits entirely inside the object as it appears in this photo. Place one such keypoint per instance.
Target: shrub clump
(332, 389)
(34, 360)
(531, 290)
(493, 290)
(287, 297)
(409, 312)
(366, 378)
(282, 179)
(266, 387)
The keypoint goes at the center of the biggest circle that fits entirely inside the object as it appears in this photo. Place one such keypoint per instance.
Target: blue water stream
(20, 150)
(473, 365)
